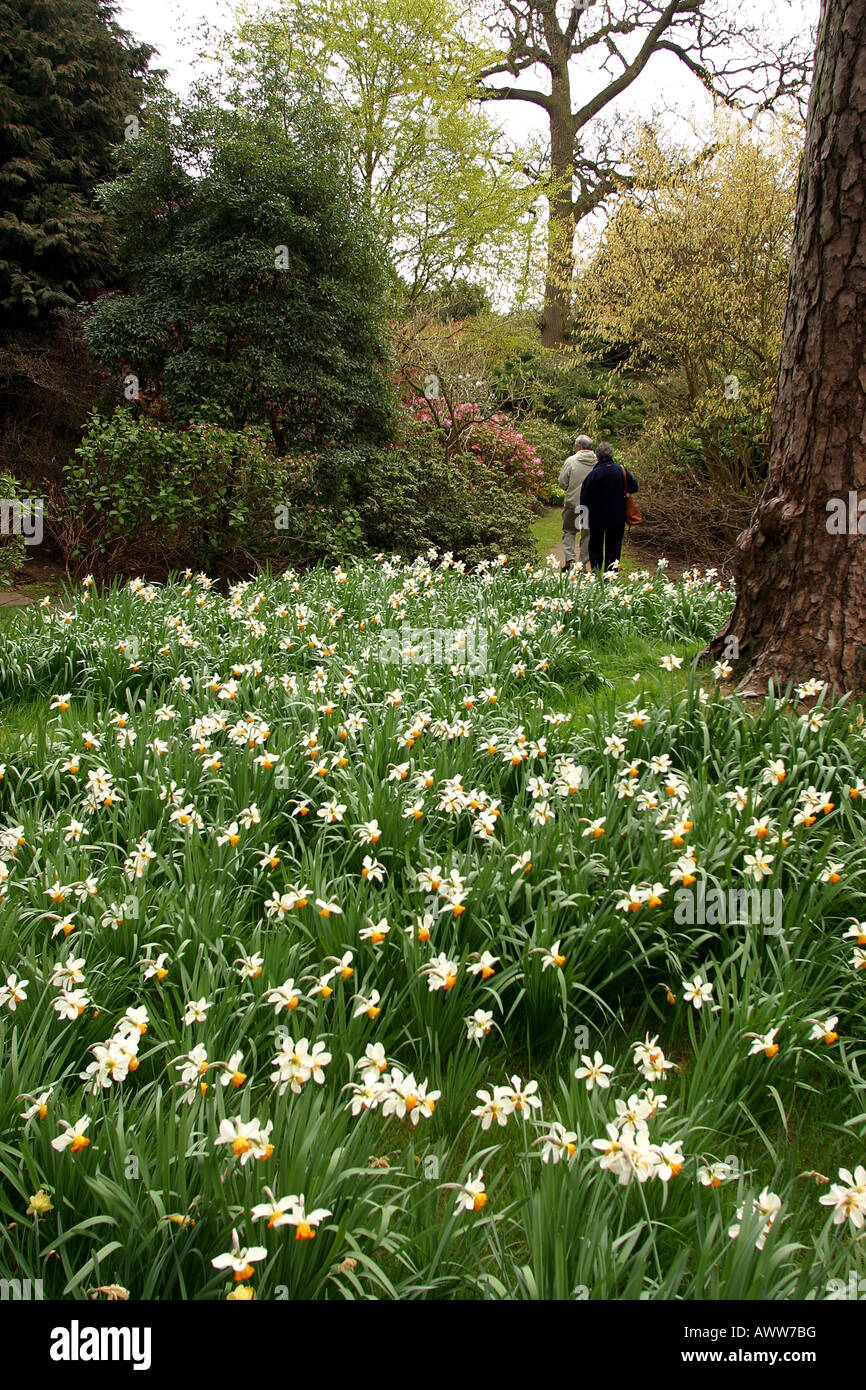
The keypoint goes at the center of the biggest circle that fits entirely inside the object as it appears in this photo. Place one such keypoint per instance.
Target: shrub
(465, 428)
(701, 470)
(541, 382)
(12, 547)
(552, 444)
(569, 389)
(142, 496)
(410, 497)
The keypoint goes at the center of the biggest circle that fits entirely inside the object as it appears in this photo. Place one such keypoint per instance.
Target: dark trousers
(605, 546)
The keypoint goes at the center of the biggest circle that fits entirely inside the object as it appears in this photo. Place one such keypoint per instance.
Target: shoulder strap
(624, 481)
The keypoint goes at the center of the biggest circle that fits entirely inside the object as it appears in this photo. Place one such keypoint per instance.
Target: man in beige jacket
(576, 468)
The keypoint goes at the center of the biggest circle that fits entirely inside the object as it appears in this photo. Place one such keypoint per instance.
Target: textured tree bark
(555, 323)
(801, 607)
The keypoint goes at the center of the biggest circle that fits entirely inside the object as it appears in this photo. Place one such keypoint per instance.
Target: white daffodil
(594, 1071)
(240, 1260)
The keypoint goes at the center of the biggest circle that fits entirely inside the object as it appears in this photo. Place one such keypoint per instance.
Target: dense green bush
(141, 496)
(255, 291)
(457, 428)
(145, 496)
(552, 443)
(410, 497)
(12, 546)
(541, 382)
(571, 390)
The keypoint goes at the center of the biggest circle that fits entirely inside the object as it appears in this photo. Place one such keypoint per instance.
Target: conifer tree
(71, 84)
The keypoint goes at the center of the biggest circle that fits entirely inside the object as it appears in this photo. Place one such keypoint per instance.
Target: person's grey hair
(583, 441)
(604, 453)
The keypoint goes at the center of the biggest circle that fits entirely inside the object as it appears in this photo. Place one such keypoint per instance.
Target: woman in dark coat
(603, 496)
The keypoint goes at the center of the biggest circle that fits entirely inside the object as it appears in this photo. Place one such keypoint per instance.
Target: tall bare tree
(586, 54)
(801, 609)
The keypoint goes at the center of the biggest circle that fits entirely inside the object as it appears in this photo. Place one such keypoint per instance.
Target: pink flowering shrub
(492, 439)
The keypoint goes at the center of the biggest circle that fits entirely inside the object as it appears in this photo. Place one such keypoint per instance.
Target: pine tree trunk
(801, 609)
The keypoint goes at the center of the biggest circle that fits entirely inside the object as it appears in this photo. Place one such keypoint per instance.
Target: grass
(10, 613)
(547, 531)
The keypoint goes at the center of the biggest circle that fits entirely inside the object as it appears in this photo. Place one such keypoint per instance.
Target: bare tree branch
(737, 64)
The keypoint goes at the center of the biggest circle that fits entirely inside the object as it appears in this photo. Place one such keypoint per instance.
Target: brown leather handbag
(633, 514)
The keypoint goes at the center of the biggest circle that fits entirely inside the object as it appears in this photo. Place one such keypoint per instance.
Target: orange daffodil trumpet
(764, 1042)
(483, 965)
(13, 993)
(441, 973)
(551, 956)
(714, 1174)
(390, 1090)
(557, 1144)
(193, 1068)
(73, 1138)
(248, 1139)
(38, 1107)
(290, 1211)
(304, 1222)
(500, 1102)
(824, 1030)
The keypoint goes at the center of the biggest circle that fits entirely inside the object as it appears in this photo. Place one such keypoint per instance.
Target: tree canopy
(254, 286)
(693, 272)
(573, 61)
(447, 190)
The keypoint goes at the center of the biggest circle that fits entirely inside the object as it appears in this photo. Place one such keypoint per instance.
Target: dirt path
(35, 580)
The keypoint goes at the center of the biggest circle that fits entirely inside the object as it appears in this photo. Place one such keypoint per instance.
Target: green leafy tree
(447, 189)
(71, 85)
(692, 274)
(255, 288)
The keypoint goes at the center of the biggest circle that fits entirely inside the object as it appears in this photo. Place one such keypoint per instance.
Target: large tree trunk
(556, 322)
(801, 609)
